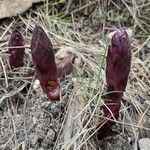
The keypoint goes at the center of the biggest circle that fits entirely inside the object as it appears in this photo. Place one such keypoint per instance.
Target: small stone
(36, 84)
(144, 144)
(45, 104)
(64, 51)
(34, 120)
(78, 62)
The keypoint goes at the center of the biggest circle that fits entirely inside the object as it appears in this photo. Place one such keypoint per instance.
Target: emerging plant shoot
(16, 49)
(44, 60)
(117, 72)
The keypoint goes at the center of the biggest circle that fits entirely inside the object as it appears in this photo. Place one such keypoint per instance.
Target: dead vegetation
(84, 28)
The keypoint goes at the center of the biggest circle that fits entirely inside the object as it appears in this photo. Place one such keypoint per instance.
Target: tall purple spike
(44, 61)
(117, 72)
(16, 49)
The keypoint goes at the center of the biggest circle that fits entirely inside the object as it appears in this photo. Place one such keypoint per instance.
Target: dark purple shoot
(16, 49)
(117, 72)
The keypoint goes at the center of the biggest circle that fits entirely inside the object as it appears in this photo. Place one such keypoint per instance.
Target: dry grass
(27, 119)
